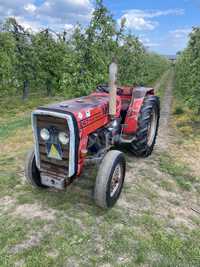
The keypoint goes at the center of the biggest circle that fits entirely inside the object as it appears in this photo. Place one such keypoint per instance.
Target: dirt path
(141, 165)
(159, 82)
(163, 136)
(148, 180)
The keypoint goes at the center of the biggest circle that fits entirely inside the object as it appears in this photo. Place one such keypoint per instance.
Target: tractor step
(125, 138)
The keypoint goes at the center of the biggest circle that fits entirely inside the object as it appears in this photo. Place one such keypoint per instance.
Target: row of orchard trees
(188, 72)
(72, 64)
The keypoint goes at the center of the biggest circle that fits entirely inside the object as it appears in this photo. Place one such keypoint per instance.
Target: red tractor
(86, 129)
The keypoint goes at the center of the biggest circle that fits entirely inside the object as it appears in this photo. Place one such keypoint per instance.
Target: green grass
(7, 129)
(186, 120)
(179, 171)
(12, 108)
(163, 83)
(82, 234)
(167, 185)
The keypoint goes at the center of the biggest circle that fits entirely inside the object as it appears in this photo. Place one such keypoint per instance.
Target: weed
(178, 110)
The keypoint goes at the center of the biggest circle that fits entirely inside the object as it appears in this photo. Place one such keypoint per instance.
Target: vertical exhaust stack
(113, 88)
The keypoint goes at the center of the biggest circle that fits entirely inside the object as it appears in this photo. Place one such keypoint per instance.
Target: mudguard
(131, 120)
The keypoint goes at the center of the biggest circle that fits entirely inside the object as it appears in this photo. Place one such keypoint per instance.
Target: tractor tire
(110, 179)
(148, 123)
(32, 173)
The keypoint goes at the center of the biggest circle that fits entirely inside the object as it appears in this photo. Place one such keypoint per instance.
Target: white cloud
(137, 19)
(66, 11)
(158, 13)
(147, 42)
(12, 8)
(139, 23)
(178, 38)
(28, 24)
(69, 27)
(55, 14)
(175, 40)
(180, 33)
(31, 8)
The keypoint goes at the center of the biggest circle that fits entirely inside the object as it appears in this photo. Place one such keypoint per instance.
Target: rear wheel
(32, 173)
(147, 127)
(110, 179)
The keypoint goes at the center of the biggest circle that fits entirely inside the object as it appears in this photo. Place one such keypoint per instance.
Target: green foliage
(188, 72)
(49, 60)
(155, 65)
(131, 61)
(73, 63)
(7, 60)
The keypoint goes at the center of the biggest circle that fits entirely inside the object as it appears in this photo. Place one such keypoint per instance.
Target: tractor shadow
(85, 183)
(79, 195)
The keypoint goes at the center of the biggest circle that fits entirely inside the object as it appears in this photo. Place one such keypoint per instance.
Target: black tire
(105, 195)
(143, 145)
(32, 173)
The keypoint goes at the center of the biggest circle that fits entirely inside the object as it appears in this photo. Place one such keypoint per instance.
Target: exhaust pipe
(113, 88)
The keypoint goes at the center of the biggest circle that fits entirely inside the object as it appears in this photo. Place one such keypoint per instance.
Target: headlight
(63, 138)
(45, 135)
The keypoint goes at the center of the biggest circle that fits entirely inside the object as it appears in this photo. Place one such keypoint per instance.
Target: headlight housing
(45, 134)
(63, 138)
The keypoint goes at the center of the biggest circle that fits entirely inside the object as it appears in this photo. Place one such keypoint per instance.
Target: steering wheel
(103, 88)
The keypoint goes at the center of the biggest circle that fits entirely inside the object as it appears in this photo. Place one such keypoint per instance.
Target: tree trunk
(25, 90)
(48, 84)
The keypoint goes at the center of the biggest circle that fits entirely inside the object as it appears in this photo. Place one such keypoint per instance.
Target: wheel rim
(116, 180)
(152, 128)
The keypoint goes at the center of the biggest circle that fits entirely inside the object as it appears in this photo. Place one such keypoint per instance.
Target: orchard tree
(93, 49)
(188, 72)
(7, 62)
(155, 65)
(74, 63)
(194, 54)
(24, 66)
(131, 61)
(49, 51)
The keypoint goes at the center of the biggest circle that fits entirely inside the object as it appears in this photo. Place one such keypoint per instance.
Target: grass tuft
(179, 171)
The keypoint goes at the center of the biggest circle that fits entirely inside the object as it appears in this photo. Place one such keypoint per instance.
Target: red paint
(131, 121)
(91, 112)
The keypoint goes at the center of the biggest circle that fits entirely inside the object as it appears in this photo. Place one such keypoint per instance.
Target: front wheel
(110, 179)
(148, 123)
(32, 173)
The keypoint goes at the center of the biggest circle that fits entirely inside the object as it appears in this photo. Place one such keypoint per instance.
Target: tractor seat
(125, 104)
(125, 91)
(121, 91)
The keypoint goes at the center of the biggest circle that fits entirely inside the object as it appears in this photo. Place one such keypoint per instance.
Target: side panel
(131, 121)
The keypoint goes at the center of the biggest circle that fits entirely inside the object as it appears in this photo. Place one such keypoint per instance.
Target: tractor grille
(49, 166)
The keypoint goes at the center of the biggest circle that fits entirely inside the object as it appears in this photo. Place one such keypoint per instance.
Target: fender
(131, 120)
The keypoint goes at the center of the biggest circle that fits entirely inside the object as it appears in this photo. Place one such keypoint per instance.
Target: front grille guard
(69, 120)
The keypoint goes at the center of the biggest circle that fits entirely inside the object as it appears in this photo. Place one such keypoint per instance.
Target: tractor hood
(84, 107)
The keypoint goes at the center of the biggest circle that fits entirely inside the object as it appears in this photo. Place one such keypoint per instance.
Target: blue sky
(169, 32)
(163, 26)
